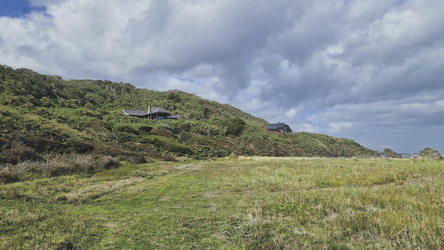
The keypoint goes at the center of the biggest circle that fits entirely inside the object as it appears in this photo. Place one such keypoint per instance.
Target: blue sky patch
(17, 8)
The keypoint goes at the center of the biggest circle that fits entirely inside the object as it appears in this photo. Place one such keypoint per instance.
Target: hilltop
(43, 115)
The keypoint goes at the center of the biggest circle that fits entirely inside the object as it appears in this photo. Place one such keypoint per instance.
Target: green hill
(42, 116)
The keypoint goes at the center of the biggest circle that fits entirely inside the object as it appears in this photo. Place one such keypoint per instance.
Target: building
(280, 127)
(151, 113)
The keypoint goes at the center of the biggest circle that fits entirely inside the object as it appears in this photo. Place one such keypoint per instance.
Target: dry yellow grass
(248, 202)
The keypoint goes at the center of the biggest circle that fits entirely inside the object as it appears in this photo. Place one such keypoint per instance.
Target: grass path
(246, 203)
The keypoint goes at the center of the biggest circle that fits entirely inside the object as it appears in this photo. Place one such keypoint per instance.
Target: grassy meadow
(245, 202)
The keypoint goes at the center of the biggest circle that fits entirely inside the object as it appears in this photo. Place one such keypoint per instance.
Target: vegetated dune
(45, 116)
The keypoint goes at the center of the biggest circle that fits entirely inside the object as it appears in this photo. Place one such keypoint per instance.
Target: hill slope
(46, 115)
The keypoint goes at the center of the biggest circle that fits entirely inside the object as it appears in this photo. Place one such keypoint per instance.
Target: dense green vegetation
(43, 117)
(251, 203)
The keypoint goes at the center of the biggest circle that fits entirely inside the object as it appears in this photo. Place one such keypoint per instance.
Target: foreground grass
(245, 203)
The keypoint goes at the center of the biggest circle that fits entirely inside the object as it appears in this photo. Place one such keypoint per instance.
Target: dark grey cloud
(369, 70)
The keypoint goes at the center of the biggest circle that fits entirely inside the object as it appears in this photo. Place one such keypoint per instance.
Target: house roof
(276, 126)
(155, 110)
(135, 112)
(143, 113)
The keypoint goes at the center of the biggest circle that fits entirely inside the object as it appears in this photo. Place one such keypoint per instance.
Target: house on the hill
(151, 113)
(280, 127)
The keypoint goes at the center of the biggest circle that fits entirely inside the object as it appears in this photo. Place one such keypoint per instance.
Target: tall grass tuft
(17, 152)
(56, 166)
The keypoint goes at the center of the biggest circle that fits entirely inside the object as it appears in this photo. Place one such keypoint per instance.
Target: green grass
(240, 202)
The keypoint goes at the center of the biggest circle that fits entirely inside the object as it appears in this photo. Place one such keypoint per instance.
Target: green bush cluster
(233, 126)
(126, 128)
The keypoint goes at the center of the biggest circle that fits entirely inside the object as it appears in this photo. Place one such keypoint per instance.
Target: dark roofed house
(138, 113)
(157, 113)
(151, 113)
(281, 127)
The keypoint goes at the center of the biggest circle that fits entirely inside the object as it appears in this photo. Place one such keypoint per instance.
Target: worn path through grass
(245, 203)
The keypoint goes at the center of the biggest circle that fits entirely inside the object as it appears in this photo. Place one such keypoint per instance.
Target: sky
(367, 70)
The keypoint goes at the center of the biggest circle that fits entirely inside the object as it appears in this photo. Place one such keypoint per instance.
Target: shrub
(84, 164)
(42, 145)
(122, 137)
(7, 175)
(133, 158)
(107, 162)
(234, 126)
(163, 132)
(110, 151)
(178, 148)
(145, 129)
(253, 133)
(126, 128)
(4, 143)
(80, 147)
(57, 166)
(18, 153)
(99, 125)
(198, 128)
(233, 156)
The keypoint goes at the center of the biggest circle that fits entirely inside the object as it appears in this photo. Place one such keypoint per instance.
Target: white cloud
(357, 68)
(291, 113)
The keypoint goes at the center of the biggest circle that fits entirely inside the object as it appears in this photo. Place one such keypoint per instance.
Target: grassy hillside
(251, 203)
(43, 116)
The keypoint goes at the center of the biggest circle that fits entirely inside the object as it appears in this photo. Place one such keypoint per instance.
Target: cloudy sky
(367, 70)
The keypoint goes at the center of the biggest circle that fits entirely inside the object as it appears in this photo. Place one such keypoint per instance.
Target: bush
(7, 175)
(42, 145)
(145, 129)
(198, 128)
(4, 143)
(133, 158)
(18, 153)
(57, 166)
(84, 164)
(163, 132)
(178, 148)
(99, 125)
(234, 126)
(233, 156)
(126, 128)
(122, 137)
(80, 147)
(108, 162)
(253, 133)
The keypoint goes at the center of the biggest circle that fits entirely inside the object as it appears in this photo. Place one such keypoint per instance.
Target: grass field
(269, 203)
